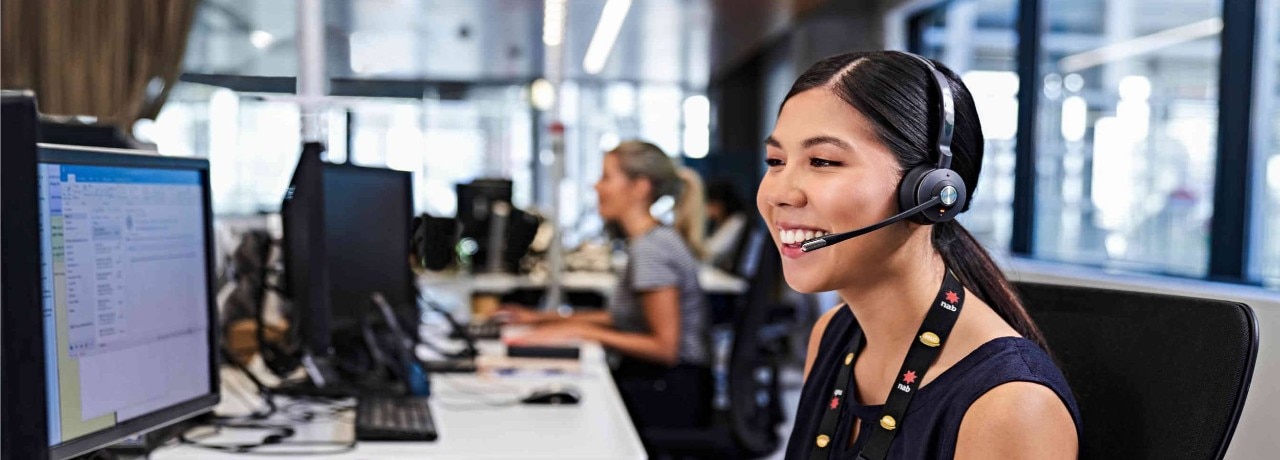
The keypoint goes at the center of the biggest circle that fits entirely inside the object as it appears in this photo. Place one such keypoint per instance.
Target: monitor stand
(323, 381)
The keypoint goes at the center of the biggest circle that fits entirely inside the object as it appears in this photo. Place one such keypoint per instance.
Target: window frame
(1234, 231)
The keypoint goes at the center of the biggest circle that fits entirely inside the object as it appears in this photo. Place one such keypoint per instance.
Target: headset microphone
(926, 186)
(824, 241)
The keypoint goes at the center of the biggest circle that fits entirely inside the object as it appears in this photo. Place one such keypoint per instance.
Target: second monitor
(346, 236)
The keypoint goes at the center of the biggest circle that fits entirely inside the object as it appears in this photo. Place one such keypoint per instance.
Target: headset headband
(947, 120)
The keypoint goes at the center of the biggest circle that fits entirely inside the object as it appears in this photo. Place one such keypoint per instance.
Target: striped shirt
(656, 260)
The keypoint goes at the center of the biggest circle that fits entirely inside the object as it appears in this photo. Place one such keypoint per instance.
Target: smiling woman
(929, 327)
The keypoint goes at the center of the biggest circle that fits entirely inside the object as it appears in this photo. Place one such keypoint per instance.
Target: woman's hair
(893, 91)
(640, 159)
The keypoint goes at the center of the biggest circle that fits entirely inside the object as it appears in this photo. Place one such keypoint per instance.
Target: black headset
(928, 193)
(926, 181)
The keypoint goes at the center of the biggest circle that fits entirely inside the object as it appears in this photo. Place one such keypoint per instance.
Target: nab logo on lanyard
(950, 304)
(933, 332)
(907, 378)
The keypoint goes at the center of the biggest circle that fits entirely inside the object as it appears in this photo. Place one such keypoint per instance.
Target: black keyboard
(394, 418)
(482, 331)
(450, 366)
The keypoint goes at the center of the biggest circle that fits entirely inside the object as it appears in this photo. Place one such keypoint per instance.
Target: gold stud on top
(888, 423)
(823, 440)
(930, 339)
(848, 359)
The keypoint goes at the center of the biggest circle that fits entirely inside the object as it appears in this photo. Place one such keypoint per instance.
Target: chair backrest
(1155, 376)
(754, 409)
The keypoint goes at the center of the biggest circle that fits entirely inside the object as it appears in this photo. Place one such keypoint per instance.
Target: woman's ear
(641, 189)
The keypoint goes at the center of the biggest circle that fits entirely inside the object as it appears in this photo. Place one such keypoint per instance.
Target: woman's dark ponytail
(975, 269)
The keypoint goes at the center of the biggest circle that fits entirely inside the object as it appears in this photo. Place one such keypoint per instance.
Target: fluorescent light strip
(553, 13)
(615, 13)
(1140, 45)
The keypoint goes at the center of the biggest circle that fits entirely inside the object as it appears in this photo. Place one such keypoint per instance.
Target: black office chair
(748, 429)
(1155, 376)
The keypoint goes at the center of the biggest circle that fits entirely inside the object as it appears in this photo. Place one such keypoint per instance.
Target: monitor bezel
(98, 156)
(25, 428)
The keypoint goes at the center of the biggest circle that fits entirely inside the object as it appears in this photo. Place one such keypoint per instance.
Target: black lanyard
(923, 352)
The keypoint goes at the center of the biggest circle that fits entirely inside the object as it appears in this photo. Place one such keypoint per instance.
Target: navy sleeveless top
(932, 422)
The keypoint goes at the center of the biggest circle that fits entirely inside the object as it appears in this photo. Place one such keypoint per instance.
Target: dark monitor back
(306, 275)
(76, 133)
(23, 422)
(475, 201)
(476, 213)
(367, 224)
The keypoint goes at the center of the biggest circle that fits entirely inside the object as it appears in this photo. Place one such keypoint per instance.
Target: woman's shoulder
(660, 235)
(1005, 370)
(662, 241)
(1006, 359)
(1019, 392)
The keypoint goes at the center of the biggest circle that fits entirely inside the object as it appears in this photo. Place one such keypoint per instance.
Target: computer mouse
(560, 395)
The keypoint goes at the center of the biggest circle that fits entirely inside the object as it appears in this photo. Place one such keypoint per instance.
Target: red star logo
(952, 297)
(835, 402)
(909, 377)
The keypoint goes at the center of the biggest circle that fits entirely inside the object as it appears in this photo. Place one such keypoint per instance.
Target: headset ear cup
(909, 192)
(934, 184)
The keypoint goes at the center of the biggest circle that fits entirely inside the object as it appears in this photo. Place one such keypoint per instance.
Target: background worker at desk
(656, 321)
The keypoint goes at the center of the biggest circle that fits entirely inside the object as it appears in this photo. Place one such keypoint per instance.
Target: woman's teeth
(799, 236)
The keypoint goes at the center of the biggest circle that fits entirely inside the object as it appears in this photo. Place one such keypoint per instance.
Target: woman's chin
(805, 283)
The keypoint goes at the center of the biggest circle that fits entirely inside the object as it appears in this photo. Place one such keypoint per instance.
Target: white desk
(712, 280)
(472, 425)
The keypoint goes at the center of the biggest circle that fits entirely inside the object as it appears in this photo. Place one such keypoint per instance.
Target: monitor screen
(125, 275)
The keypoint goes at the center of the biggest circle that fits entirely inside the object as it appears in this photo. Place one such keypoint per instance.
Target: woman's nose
(782, 190)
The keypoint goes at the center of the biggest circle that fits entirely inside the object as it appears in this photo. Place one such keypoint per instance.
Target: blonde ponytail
(691, 211)
(643, 159)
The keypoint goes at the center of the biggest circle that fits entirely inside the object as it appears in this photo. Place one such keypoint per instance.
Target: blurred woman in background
(656, 319)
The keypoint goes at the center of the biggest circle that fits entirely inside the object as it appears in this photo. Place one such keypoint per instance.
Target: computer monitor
(347, 235)
(480, 214)
(22, 408)
(127, 271)
(476, 202)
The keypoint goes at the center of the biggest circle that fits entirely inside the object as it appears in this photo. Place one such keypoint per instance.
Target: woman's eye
(771, 162)
(821, 163)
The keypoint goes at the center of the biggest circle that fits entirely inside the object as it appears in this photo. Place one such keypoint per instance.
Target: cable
(263, 390)
(467, 339)
(278, 438)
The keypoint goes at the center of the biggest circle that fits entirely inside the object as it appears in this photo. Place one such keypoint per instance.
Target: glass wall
(1265, 256)
(252, 141)
(1126, 129)
(978, 40)
(1126, 142)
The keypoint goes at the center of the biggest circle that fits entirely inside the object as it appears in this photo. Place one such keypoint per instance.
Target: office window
(978, 40)
(443, 142)
(1126, 142)
(252, 141)
(1265, 250)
